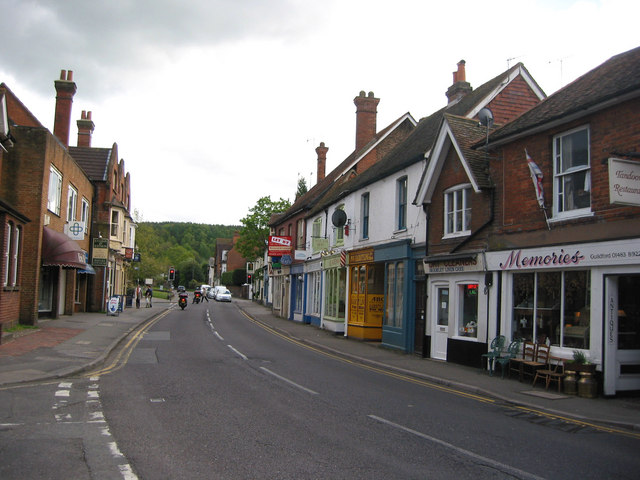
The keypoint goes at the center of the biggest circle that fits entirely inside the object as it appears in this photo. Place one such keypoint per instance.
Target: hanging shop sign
(624, 182)
(100, 252)
(279, 245)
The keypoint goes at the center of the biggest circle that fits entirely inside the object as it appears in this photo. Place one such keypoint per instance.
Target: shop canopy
(60, 250)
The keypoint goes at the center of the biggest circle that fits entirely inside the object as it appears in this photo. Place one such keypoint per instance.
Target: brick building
(41, 179)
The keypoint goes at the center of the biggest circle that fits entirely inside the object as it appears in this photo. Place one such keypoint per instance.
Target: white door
(622, 334)
(440, 329)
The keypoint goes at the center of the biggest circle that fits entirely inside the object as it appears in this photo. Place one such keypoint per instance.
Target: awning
(87, 269)
(60, 250)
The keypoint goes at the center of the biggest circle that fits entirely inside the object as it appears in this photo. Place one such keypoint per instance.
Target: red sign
(279, 245)
(128, 253)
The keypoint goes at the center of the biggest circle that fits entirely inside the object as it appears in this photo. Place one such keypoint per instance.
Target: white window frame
(457, 205)
(72, 203)
(8, 232)
(84, 214)
(365, 204)
(115, 215)
(402, 187)
(560, 209)
(54, 195)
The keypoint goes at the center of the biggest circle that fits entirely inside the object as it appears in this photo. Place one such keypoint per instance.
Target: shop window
(457, 211)
(572, 176)
(315, 293)
(629, 313)
(299, 293)
(468, 310)
(552, 308)
(364, 216)
(11, 254)
(335, 293)
(395, 295)
(55, 190)
(8, 233)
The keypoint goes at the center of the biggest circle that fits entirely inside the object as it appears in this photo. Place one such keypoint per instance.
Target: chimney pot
(321, 151)
(460, 86)
(366, 115)
(65, 90)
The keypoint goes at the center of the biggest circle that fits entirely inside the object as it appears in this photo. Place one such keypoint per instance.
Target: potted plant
(580, 363)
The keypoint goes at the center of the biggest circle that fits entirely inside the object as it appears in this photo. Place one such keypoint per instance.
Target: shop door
(358, 294)
(440, 330)
(622, 334)
(420, 330)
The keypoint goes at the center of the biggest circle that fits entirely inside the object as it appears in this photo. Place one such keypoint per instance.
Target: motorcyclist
(196, 292)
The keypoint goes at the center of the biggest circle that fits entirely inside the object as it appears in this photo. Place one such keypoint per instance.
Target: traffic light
(248, 278)
(172, 274)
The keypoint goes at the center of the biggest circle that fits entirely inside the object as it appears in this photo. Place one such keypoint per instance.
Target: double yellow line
(444, 388)
(125, 352)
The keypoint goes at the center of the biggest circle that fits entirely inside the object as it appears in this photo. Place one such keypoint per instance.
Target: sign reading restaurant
(624, 182)
(622, 252)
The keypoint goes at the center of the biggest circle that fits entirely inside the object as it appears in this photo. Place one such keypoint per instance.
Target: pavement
(73, 344)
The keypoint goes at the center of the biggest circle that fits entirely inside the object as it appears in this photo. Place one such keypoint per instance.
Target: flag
(536, 176)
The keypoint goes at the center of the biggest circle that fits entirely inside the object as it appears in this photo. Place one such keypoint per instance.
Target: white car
(223, 296)
(216, 289)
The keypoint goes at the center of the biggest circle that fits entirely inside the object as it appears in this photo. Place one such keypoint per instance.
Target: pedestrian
(149, 296)
(138, 295)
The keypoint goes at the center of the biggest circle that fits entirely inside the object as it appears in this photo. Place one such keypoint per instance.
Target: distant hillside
(185, 246)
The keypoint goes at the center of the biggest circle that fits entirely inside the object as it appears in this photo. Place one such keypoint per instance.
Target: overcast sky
(216, 103)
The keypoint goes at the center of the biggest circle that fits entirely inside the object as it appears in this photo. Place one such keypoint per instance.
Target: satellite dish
(339, 218)
(486, 117)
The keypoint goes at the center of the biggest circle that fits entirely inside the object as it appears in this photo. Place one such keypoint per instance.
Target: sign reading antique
(624, 182)
(279, 245)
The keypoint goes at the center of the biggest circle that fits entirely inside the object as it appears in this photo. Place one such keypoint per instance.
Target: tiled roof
(318, 191)
(94, 161)
(420, 141)
(467, 132)
(617, 77)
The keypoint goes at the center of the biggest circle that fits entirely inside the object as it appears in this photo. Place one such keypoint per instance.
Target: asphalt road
(207, 393)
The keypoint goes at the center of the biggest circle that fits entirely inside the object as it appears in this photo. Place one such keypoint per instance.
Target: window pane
(443, 306)
(399, 294)
(575, 150)
(391, 279)
(629, 313)
(548, 307)
(577, 316)
(468, 326)
(523, 288)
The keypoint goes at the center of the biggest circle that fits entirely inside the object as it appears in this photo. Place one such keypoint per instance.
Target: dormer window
(457, 211)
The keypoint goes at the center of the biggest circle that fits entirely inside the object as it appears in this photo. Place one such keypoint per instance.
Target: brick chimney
(65, 90)
(366, 113)
(460, 85)
(85, 129)
(322, 161)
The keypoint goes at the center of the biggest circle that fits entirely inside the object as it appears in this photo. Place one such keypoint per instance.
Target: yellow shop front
(366, 296)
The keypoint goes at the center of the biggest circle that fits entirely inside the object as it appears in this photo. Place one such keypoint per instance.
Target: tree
(254, 234)
(302, 187)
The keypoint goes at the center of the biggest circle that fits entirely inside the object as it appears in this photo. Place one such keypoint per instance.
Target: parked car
(223, 296)
(211, 293)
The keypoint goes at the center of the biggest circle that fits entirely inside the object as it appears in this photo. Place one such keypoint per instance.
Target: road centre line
(512, 471)
(290, 382)
(241, 355)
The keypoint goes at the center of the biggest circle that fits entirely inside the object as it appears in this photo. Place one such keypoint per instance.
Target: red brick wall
(514, 100)
(616, 129)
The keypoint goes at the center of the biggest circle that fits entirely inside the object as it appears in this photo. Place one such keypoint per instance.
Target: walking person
(138, 295)
(149, 296)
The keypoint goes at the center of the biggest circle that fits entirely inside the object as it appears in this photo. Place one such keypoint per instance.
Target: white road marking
(218, 335)
(63, 393)
(290, 382)
(241, 355)
(484, 460)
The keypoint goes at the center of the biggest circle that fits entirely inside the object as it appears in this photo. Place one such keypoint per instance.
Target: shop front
(313, 292)
(458, 302)
(581, 297)
(335, 291)
(366, 296)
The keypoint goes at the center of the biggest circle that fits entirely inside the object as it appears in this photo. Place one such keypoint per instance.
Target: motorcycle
(182, 300)
(196, 296)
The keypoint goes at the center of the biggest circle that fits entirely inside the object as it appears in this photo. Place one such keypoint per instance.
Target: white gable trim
(444, 141)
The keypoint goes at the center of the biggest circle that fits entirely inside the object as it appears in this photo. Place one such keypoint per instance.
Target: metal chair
(497, 344)
(512, 352)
